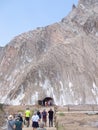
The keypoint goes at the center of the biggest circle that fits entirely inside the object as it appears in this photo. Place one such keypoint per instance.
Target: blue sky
(18, 16)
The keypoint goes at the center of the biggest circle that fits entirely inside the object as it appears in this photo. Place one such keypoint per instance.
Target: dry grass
(1, 117)
(75, 120)
(65, 120)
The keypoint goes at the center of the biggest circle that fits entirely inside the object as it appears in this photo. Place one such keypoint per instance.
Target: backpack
(38, 113)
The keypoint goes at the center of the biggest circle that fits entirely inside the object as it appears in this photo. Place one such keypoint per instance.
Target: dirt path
(47, 128)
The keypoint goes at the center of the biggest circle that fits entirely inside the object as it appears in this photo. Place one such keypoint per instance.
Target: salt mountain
(58, 61)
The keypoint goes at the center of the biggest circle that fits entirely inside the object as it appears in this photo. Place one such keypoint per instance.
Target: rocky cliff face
(58, 61)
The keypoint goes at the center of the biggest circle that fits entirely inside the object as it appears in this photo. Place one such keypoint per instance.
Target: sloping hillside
(58, 61)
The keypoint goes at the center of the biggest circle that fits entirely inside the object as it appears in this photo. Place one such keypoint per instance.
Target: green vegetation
(1, 114)
(1, 106)
(32, 111)
(60, 127)
(22, 111)
(61, 114)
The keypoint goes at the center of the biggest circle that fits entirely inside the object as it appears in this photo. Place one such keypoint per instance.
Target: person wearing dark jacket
(20, 117)
(50, 116)
(39, 114)
(18, 124)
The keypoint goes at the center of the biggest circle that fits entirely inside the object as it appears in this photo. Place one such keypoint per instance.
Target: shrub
(1, 106)
(61, 114)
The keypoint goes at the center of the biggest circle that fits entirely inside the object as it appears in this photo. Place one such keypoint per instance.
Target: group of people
(38, 119)
(15, 123)
(50, 114)
(41, 117)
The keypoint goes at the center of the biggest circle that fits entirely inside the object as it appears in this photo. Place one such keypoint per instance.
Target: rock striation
(58, 61)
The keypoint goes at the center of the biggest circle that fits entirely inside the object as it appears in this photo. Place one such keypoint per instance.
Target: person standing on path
(50, 116)
(35, 120)
(18, 124)
(27, 116)
(20, 117)
(39, 114)
(10, 123)
(44, 117)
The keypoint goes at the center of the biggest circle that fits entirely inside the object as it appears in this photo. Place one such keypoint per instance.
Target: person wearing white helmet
(10, 123)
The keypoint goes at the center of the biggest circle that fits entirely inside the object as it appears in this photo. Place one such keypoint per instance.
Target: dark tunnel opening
(47, 101)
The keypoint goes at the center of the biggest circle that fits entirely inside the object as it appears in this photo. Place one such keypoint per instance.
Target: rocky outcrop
(58, 61)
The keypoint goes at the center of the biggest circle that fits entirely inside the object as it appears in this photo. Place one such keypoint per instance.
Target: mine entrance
(47, 101)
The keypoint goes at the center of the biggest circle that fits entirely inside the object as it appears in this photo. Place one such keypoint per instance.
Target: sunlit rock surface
(58, 61)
